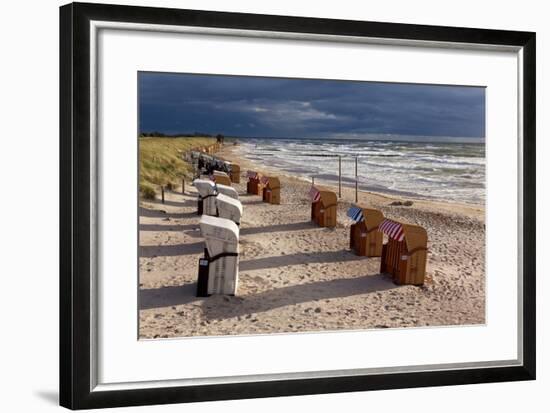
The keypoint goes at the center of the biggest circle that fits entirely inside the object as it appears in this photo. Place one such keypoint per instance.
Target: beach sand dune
(297, 277)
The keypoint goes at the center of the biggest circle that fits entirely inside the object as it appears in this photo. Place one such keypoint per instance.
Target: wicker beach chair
(405, 254)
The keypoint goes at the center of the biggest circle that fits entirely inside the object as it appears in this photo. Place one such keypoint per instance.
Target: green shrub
(147, 191)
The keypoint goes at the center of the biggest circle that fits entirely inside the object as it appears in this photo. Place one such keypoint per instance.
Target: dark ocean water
(447, 171)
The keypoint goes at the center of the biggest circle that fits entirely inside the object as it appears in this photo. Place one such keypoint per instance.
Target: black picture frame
(75, 219)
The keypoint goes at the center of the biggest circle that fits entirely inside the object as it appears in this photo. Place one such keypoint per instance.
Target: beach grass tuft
(161, 162)
(147, 191)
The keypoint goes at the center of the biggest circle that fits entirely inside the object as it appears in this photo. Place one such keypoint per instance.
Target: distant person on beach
(219, 138)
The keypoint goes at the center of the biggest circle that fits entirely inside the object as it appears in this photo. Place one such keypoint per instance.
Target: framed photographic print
(258, 206)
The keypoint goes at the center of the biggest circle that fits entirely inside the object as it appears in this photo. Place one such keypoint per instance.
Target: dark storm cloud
(272, 107)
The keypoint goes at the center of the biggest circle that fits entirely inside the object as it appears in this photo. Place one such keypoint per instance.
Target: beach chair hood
(273, 182)
(220, 173)
(414, 236)
(328, 198)
(227, 190)
(371, 217)
(204, 187)
(220, 229)
(229, 208)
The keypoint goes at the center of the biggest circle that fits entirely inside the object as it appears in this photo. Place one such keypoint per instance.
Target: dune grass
(161, 163)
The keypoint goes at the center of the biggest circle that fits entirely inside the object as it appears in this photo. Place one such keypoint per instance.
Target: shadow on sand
(297, 259)
(160, 228)
(296, 294)
(252, 202)
(152, 251)
(168, 296)
(295, 226)
(153, 213)
(222, 307)
(186, 203)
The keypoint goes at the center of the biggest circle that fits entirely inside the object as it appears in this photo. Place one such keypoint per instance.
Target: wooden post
(162, 193)
(339, 176)
(356, 182)
(183, 186)
(312, 181)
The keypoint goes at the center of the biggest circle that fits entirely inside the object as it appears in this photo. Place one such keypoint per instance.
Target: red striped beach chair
(324, 205)
(405, 254)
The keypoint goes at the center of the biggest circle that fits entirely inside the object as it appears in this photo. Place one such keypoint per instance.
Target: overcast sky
(293, 108)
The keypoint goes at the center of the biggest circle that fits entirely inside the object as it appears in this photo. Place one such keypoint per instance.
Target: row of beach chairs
(269, 187)
(404, 255)
(212, 164)
(217, 199)
(221, 212)
(210, 149)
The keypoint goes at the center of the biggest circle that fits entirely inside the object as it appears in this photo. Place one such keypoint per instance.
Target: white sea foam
(445, 171)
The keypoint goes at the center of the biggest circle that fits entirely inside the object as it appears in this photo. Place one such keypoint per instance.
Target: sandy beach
(297, 277)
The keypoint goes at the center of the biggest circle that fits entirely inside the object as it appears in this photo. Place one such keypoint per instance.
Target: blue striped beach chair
(365, 239)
